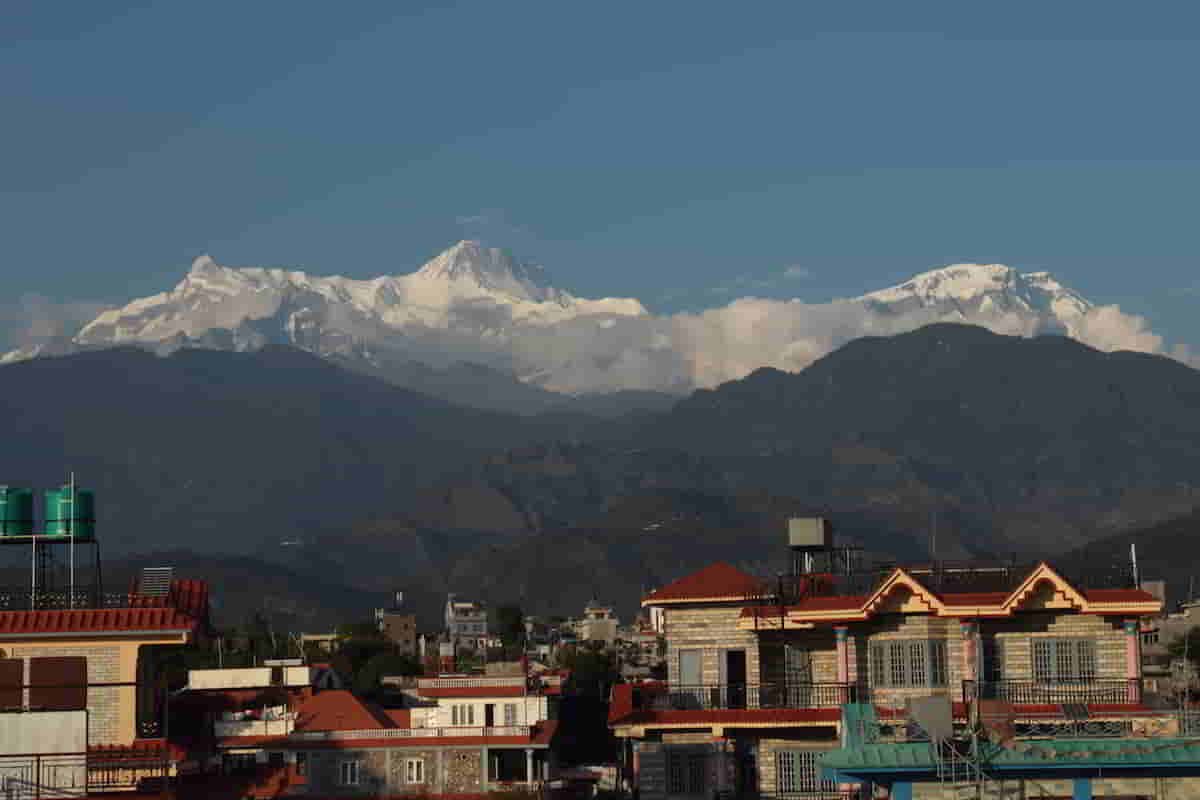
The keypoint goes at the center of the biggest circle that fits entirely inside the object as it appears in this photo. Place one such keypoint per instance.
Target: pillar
(486, 766)
(1133, 659)
(843, 655)
(529, 766)
(970, 646)
(1082, 789)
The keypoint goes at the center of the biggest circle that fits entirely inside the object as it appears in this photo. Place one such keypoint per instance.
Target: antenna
(71, 533)
(1133, 559)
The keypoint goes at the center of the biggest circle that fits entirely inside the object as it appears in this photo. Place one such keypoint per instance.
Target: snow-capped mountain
(972, 292)
(467, 286)
(478, 305)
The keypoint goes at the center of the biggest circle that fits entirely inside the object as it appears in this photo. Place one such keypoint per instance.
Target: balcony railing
(752, 696)
(418, 733)
(1089, 691)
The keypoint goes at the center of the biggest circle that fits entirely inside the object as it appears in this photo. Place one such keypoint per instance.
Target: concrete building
(598, 624)
(399, 628)
(466, 623)
(463, 735)
(82, 704)
(928, 681)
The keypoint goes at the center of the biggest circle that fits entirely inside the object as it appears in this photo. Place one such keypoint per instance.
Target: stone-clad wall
(448, 770)
(710, 629)
(893, 626)
(768, 778)
(1015, 637)
(820, 644)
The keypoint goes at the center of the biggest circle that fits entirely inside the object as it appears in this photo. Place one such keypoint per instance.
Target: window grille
(909, 663)
(797, 772)
(414, 770)
(1057, 660)
(917, 674)
(510, 714)
(350, 773)
(686, 773)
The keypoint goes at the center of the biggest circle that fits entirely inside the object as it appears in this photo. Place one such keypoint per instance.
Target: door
(489, 715)
(734, 670)
(798, 676)
(689, 693)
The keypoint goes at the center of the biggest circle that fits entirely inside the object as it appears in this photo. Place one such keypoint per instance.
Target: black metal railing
(1056, 692)
(24, 599)
(751, 696)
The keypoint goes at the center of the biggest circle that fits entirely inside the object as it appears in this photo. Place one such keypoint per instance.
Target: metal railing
(415, 733)
(42, 775)
(1056, 692)
(751, 696)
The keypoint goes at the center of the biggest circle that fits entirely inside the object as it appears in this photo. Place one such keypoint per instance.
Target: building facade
(917, 682)
(465, 735)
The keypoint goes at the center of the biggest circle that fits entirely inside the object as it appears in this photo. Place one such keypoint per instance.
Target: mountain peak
(489, 268)
(203, 263)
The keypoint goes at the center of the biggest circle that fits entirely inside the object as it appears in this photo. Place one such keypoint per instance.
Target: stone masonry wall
(892, 627)
(1015, 636)
(710, 629)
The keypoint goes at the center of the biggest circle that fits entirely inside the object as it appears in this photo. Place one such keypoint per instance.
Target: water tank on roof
(71, 513)
(16, 511)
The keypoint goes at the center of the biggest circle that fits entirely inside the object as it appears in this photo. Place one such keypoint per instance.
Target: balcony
(749, 696)
(1087, 691)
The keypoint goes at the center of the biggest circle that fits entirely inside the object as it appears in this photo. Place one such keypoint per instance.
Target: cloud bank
(682, 351)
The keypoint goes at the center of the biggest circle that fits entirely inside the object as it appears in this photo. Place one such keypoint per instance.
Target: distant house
(599, 624)
(399, 626)
(466, 623)
(460, 736)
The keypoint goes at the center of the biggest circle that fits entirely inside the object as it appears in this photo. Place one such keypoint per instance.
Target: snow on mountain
(479, 305)
(466, 286)
(971, 292)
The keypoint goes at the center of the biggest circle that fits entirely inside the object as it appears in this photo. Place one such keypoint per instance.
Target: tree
(1187, 646)
(508, 622)
(367, 678)
(593, 670)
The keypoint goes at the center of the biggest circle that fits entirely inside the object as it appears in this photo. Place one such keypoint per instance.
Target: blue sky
(676, 152)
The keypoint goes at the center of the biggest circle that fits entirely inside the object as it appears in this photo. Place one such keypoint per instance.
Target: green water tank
(68, 513)
(16, 511)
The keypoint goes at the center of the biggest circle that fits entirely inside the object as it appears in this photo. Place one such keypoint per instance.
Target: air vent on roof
(156, 581)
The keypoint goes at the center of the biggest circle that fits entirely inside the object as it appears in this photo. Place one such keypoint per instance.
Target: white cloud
(796, 272)
(36, 320)
(689, 349)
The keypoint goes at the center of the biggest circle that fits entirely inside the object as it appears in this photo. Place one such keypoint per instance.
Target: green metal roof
(1027, 753)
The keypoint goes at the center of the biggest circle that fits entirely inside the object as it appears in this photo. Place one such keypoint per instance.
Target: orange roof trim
(901, 592)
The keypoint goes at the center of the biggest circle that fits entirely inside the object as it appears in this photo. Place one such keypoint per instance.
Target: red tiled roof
(974, 598)
(1119, 596)
(720, 581)
(339, 710)
(400, 717)
(94, 621)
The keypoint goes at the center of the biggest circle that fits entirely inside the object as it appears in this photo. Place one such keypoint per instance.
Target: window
(462, 715)
(414, 770)
(686, 773)
(1056, 660)
(510, 714)
(275, 759)
(348, 773)
(798, 772)
(909, 663)
(689, 668)
(301, 764)
(58, 683)
(797, 664)
(239, 763)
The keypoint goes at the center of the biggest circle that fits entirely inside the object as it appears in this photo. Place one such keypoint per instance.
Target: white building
(466, 623)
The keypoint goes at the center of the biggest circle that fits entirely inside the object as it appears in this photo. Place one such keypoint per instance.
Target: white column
(529, 766)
